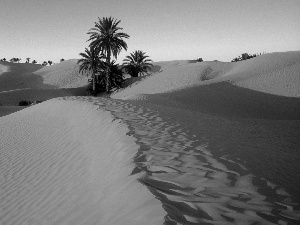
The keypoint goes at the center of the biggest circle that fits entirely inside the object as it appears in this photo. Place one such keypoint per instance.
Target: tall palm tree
(90, 62)
(106, 38)
(137, 63)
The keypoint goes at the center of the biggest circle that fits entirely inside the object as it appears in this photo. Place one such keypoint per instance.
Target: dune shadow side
(155, 69)
(134, 80)
(14, 97)
(22, 76)
(6, 110)
(267, 147)
(226, 99)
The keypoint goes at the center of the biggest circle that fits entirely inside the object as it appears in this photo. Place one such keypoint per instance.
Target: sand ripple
(67, 162)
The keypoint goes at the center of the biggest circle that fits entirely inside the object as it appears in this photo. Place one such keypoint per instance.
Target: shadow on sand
(228, 100)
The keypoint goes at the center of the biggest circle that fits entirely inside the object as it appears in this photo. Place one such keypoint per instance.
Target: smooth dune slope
(68, 162)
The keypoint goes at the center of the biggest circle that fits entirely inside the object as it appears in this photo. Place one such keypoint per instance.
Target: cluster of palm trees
(107, 41)
(14, 60)
(45, 63)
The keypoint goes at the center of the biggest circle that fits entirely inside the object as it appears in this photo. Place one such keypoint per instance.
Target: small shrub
(24, 103)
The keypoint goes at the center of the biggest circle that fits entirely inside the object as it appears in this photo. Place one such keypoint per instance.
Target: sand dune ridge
(70, 171)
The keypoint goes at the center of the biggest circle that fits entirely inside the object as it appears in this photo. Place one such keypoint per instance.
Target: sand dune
(274, 73)
(10, 98)
(20, 76)
(3, 68)
(191, 143)
(31, 82)
(68, 162)
(63, 75)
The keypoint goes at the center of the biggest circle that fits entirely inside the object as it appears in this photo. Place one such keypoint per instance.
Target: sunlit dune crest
(63, 75)
(189, 143)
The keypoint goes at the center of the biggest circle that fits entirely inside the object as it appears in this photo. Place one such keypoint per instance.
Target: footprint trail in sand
(193, 185)
(84, 160)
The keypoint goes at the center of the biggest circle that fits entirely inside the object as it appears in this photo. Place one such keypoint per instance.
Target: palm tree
(90, 62)
(107, 39)
(137, 63)
(27, 60)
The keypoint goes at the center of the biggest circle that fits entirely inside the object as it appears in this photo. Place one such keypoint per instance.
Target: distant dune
(3, 68)
(63, 75)
(31, 82)
(266, 87)
(274, 73)
(189, 143)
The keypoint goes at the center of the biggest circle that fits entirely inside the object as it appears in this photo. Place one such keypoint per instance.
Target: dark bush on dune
(24, 103)
(246, 56)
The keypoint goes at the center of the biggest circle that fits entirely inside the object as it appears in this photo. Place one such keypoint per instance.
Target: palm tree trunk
(107, 69)
(94, 82)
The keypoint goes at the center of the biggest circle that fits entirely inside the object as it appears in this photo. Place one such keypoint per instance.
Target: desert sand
(190, 143)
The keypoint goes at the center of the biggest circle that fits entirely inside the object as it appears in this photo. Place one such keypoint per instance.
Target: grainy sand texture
(190, 143)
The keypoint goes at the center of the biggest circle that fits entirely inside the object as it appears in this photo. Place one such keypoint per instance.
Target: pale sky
(164, 29)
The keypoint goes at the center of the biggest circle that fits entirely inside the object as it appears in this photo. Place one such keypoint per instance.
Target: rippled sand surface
(84, 160)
